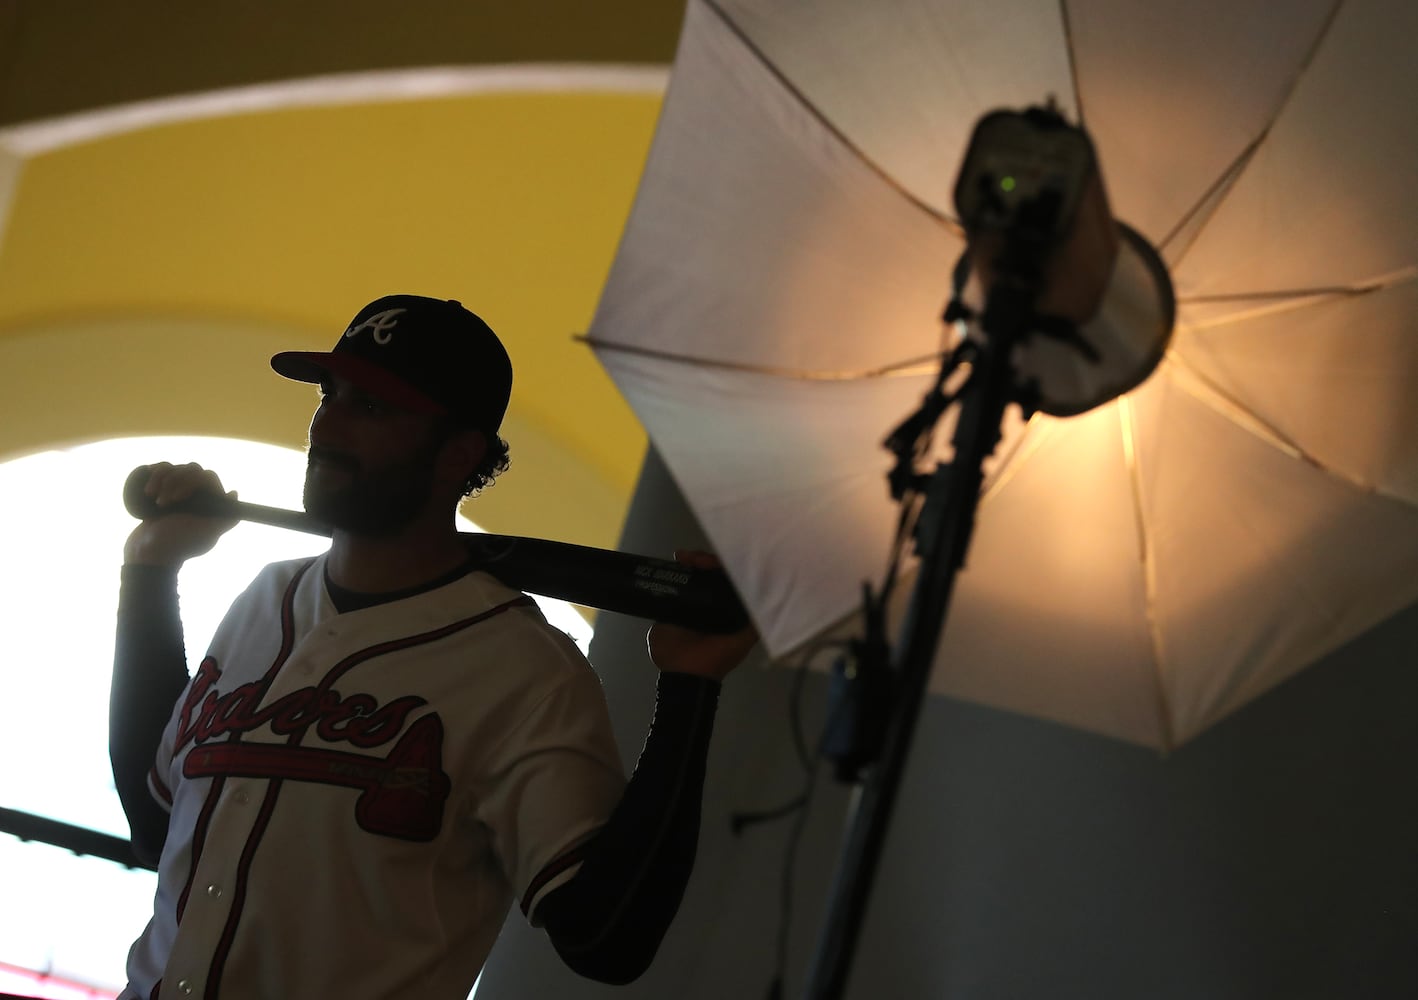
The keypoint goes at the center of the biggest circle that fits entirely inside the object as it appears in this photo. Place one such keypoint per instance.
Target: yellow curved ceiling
(148, 271)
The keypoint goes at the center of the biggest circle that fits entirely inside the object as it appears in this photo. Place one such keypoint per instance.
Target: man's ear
(461, 453)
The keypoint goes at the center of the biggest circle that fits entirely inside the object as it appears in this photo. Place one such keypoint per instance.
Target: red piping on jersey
(551, 870)
(199, 833)
(160, 786)
(238, 902)
(395, 645)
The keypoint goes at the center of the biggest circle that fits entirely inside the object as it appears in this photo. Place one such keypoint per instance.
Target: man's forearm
(607, 922)
(149, 674)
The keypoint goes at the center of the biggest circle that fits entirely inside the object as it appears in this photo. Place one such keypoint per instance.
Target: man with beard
(384, 746)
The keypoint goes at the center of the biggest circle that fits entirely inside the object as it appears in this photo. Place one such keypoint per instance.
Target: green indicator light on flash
(1006, 184)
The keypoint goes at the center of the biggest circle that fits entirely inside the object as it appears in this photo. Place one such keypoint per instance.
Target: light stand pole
(1021, 181)
(946, 523)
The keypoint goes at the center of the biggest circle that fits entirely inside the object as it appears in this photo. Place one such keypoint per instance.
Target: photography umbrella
(1147, 567)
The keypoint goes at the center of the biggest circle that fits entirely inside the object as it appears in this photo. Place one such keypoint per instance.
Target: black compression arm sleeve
(149, 674)
(608, 921)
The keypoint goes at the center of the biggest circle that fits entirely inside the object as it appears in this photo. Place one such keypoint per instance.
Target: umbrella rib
(827, 123)
(1234, 169)
(1286, 300)
(1211, 394)
(1226, 178)
(1072, 62)
(1035, 433)
(1127, 426)
(926, 364)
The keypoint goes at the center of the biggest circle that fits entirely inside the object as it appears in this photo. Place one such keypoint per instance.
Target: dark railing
(79, 839)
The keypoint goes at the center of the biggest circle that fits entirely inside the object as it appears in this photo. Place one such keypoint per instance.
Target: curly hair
(495, 462)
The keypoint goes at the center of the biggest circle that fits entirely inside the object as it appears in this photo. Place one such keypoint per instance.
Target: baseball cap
(424, 354)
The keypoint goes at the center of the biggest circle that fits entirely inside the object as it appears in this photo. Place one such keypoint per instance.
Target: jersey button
(184, 987)
(215, 891)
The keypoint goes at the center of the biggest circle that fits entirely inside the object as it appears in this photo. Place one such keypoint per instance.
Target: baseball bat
(657, 589)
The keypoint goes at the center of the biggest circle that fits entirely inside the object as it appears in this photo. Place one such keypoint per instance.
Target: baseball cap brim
(314, 366)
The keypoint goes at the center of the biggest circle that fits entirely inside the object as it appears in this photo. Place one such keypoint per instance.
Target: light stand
(943, 530)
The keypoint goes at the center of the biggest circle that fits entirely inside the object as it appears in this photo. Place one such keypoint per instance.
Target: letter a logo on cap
(380, 323)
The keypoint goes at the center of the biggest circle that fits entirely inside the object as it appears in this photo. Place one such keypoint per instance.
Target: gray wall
(1275, 856)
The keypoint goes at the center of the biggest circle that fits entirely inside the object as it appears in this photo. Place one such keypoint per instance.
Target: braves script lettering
(357, 719)
(401, 794)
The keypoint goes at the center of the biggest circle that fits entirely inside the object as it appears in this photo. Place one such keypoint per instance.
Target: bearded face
(367, 499)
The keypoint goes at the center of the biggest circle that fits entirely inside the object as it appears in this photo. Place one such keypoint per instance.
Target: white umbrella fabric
(1143, 569)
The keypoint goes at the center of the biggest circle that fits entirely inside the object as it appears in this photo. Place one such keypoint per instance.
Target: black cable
(743, 819)
(785, 885)
(798, 806)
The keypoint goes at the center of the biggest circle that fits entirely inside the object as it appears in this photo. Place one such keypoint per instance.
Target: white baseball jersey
(357, 798)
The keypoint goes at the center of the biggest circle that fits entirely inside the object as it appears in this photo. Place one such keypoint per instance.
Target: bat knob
(137, 502)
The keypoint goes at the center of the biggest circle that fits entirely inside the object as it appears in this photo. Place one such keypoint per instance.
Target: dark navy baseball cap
(424, 354)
